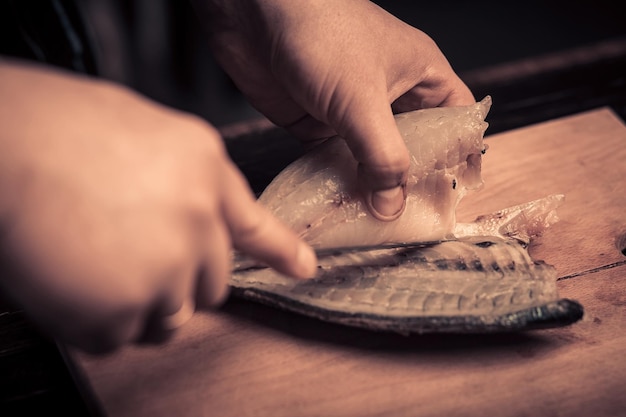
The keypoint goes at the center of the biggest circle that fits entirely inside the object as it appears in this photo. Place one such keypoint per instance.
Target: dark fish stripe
(485, 277)
(552, 314)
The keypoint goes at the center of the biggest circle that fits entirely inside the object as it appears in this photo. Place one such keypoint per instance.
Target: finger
(370, 130)
(460, 95)
(212, 285)
(453, 92)
(256, 232)
(310, 131)
(173, 309)
(181, 316)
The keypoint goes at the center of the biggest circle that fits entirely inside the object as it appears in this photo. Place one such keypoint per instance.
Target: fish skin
(455, 277)
(479, 275)
(317, 196)
(482, 281)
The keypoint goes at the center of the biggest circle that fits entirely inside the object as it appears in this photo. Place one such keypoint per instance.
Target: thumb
(370, 130)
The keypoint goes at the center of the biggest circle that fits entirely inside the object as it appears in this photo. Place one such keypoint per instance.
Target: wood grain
(582, 156)
(251, 360)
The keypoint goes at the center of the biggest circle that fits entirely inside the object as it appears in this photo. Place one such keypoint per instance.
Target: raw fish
(316, 195)
(423, 272)
(476, 283)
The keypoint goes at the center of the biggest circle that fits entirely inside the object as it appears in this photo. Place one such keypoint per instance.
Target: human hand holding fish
(423, 272)
(328, 68)
(323, 70)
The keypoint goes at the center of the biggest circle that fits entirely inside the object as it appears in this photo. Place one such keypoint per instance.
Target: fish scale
(472, 284)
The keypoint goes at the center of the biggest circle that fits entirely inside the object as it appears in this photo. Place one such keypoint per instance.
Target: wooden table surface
(36, 380)
(251, 360)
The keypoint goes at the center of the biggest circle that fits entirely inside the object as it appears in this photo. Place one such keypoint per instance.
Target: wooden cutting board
(251, 360)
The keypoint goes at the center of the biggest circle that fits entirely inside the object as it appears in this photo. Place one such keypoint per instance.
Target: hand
(116, 213)
(327, 67)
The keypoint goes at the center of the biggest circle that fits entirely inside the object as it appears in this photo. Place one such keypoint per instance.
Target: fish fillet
(483, 281)
(439, 275)
(316, 195)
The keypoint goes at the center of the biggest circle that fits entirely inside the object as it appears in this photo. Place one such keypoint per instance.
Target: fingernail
(388, 204)
(307, 261)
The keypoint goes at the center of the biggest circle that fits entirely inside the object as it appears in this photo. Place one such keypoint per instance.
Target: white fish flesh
(477, 283)
(470, 277)
(316, 195)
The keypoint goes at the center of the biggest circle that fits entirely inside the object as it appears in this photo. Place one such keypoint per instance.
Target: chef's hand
(117, 215)
(327, 67)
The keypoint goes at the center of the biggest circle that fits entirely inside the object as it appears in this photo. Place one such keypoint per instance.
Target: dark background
(158, 47)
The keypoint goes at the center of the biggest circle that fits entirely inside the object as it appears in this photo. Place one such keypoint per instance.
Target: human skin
(116, 212)
(327, 67)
